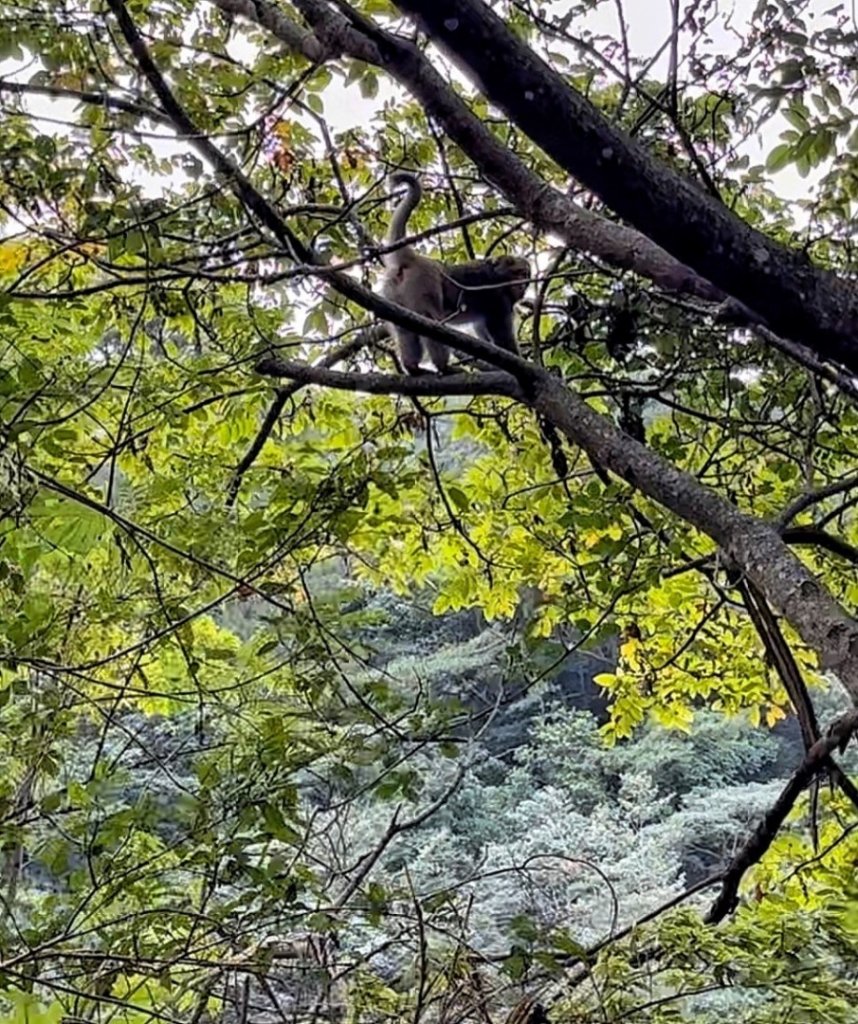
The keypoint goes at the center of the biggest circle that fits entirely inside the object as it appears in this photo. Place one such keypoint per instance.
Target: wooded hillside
(518, 693)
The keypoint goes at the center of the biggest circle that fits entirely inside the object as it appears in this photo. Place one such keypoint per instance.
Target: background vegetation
(327, 693)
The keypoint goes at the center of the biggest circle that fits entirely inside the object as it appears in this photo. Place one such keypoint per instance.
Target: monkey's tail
(399, 221)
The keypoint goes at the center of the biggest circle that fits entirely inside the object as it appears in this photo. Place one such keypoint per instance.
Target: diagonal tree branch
(278, 24)
(548, 209)
(761, 839)
(810, 498)
(813, 536)
(796, 299)
(781, 657)
(790, 676)
(753, 545)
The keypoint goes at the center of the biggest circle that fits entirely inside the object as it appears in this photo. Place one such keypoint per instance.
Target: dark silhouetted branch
(837, 738)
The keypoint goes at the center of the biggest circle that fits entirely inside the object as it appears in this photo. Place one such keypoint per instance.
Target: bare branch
(396, 828)
(92, 98)
(814, 497)
(838, 736)
(493, 383)
(786, 666)
(813, 536)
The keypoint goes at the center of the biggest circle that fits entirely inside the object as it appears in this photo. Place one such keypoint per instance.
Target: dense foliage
(374, 699)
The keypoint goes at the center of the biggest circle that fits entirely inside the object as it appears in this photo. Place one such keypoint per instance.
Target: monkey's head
(514, 269)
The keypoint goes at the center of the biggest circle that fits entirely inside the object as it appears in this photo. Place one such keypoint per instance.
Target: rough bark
(796, 299)
(546, 208)
(752, 544)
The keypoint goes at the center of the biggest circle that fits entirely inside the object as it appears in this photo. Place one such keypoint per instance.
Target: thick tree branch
(426, 385)
(796, 299)
(545, 207)
(550, 211)
(753, 545)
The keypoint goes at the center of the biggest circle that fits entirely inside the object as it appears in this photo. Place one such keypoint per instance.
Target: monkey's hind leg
(439, 353)
(410, 351)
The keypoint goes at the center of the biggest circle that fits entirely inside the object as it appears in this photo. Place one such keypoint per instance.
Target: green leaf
(459, 498)
(796, 114)
(779, 158)
(316, 322)
(276, 825)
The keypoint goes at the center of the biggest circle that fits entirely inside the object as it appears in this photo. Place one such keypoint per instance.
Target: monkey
(482, 293)
(473, 294)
